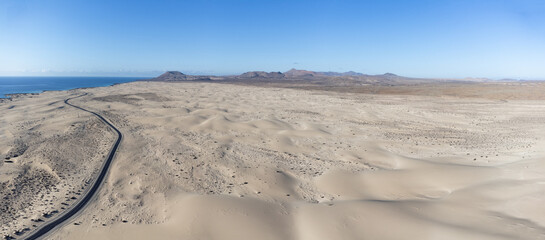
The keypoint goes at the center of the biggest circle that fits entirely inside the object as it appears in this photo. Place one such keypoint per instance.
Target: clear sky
(419, 38)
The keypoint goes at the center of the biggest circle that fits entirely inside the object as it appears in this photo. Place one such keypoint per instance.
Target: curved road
(81, 204)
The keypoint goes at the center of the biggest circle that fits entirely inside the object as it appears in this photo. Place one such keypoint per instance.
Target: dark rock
(174, 76)
(261, 74)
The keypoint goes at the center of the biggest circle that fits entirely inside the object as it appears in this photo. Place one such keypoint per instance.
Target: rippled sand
(219, 161)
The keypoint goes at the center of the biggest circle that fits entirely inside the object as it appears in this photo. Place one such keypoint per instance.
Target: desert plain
(205, 160)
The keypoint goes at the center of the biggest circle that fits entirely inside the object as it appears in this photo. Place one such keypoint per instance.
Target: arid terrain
(280, 160)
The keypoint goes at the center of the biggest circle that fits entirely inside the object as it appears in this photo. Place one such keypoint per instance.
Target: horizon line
(146, 74)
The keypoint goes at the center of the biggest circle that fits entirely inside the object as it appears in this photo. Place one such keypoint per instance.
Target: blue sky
(420, 38)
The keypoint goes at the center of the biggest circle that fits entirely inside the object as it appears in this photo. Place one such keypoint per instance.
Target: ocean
(39, 84)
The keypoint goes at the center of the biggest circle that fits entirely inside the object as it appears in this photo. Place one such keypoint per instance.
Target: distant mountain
(261, 74)
(296, 76)
(389, 75)
(294, 73)
(172, 76)
(339, 74)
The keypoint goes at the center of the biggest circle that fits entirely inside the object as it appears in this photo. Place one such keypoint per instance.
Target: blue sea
(39, 84)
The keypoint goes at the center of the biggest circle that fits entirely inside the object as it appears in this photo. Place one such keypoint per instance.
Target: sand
(220, 161)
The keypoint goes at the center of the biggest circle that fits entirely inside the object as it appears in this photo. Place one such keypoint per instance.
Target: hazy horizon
(153, 74)
(428, 39)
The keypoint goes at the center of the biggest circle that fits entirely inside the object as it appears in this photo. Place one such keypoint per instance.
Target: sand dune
(219, 161)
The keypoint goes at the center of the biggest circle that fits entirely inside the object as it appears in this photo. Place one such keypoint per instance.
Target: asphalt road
(48, 226)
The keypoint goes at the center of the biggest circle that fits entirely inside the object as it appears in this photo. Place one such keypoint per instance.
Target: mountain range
(309, 77)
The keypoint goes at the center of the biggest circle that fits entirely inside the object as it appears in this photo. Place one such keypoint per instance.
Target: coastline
(39, 91)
